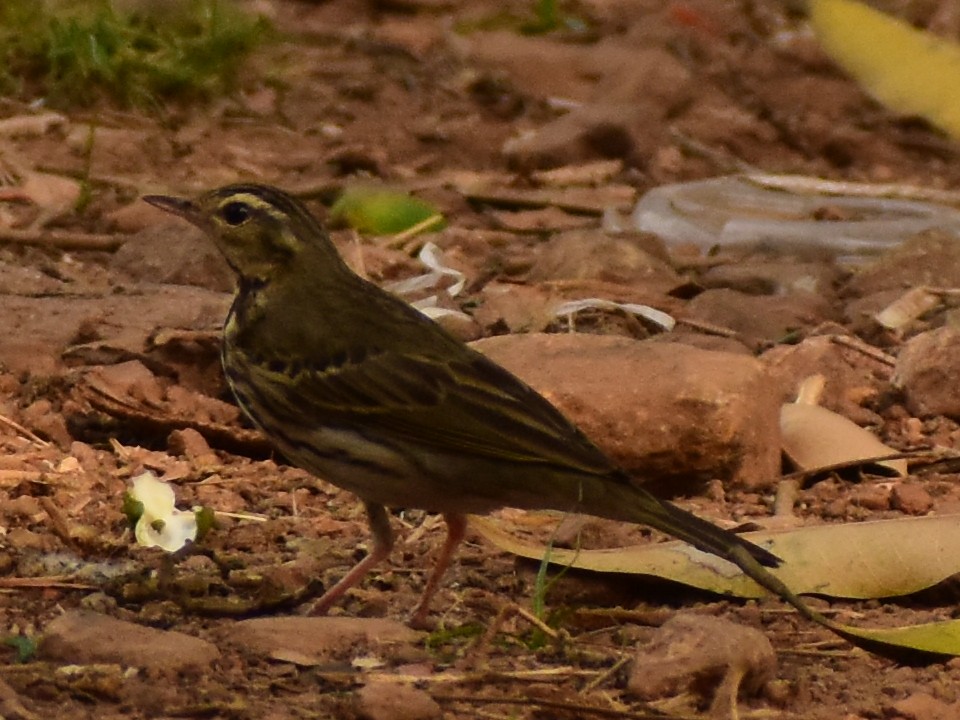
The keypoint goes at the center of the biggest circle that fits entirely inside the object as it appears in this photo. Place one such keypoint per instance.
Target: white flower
(161, 524)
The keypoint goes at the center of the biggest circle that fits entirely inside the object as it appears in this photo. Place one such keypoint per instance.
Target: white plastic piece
(734, 210)
(657, 317)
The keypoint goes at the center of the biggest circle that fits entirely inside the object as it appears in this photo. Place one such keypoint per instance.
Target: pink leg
(456, 529)
(382, 545)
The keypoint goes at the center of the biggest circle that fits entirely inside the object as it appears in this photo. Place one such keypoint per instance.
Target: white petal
(178, 527)
(157, 497)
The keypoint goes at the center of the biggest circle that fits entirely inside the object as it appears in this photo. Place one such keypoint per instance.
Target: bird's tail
(706, 536)
(752, 559)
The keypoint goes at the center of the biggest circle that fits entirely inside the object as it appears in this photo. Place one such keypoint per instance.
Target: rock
(621, 88)
(851, 376)
(193, 446)
(586, 133)
(674, 415)
(869, 496)
(930, 258)
(911, 498)
(41, 417)
(83, 637)
(693, 652)
(107, 327)
(518, 308)
(759, 319)
(774, 277)
(586, 254)
(322, 640)
(923, 706)
(392, 701)
(702, 340)
(174, 254)
(614, 69)
(926, 371)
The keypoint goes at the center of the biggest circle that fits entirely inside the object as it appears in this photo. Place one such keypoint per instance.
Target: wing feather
(467, 406)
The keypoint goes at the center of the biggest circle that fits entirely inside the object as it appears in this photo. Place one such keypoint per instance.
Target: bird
(354, 385)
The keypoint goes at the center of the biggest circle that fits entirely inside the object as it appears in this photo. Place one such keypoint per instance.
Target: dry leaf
(815, 437)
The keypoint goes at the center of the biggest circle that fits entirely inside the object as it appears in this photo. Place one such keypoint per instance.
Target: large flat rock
(673, 415)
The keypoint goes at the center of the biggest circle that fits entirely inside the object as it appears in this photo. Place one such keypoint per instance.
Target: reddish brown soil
(389, 89)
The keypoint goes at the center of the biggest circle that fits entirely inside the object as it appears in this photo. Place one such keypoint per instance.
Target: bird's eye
(235, 213)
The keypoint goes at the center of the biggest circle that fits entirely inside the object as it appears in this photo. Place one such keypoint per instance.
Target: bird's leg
(382, 545)
(456, 529)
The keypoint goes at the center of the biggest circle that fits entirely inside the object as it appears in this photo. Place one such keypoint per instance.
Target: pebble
(926, 370)
(911, 498)
(383, 700)
(320, 640)
(83, 637)
(690, 651)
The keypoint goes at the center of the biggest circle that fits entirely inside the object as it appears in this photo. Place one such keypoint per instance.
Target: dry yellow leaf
(908, 70)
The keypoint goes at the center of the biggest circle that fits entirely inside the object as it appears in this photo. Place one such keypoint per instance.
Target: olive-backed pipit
(359, 388)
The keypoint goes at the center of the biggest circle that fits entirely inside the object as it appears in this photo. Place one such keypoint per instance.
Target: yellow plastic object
(908, 70)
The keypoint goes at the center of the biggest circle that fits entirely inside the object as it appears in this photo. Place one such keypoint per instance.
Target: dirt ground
(109, 354)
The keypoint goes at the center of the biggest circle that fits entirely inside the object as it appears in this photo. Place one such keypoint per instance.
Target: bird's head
(261, 231)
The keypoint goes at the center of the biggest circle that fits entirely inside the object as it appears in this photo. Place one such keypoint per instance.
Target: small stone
(759, 319)
(871, 497)
(926, 369)
(911, 498)
(923, 706)
(40, 417)
(585, 133)
(778, 277)
(164, 254)
(691, 652)
(392, 701)
(192, 445)
(83, 637)
(930, 258)
(323, 639)
(25, 506)
(591, 254)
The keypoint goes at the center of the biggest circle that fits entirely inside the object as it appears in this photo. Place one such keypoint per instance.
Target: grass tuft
(71, 53)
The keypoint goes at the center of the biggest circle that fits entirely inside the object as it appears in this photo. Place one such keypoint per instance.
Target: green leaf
(382, 211)
(25, 647)
(132, 508)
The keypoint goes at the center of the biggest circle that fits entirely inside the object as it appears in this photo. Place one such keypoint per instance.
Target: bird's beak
(187, 209)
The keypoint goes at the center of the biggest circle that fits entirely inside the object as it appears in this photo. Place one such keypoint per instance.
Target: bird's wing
(466, 406)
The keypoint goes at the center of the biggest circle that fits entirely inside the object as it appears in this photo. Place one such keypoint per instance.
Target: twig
(61, 526)
(63, 239)
(802, 184)
(577, 708)
(786, 497)
(401, 237)
(29, 434)
(484, 677)
(857, 462)
(11, 478)
(708, 328)
(59, 582)
(603, 677)
(536, 622)
(868, 350)
(723, 161)
(253, 517)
